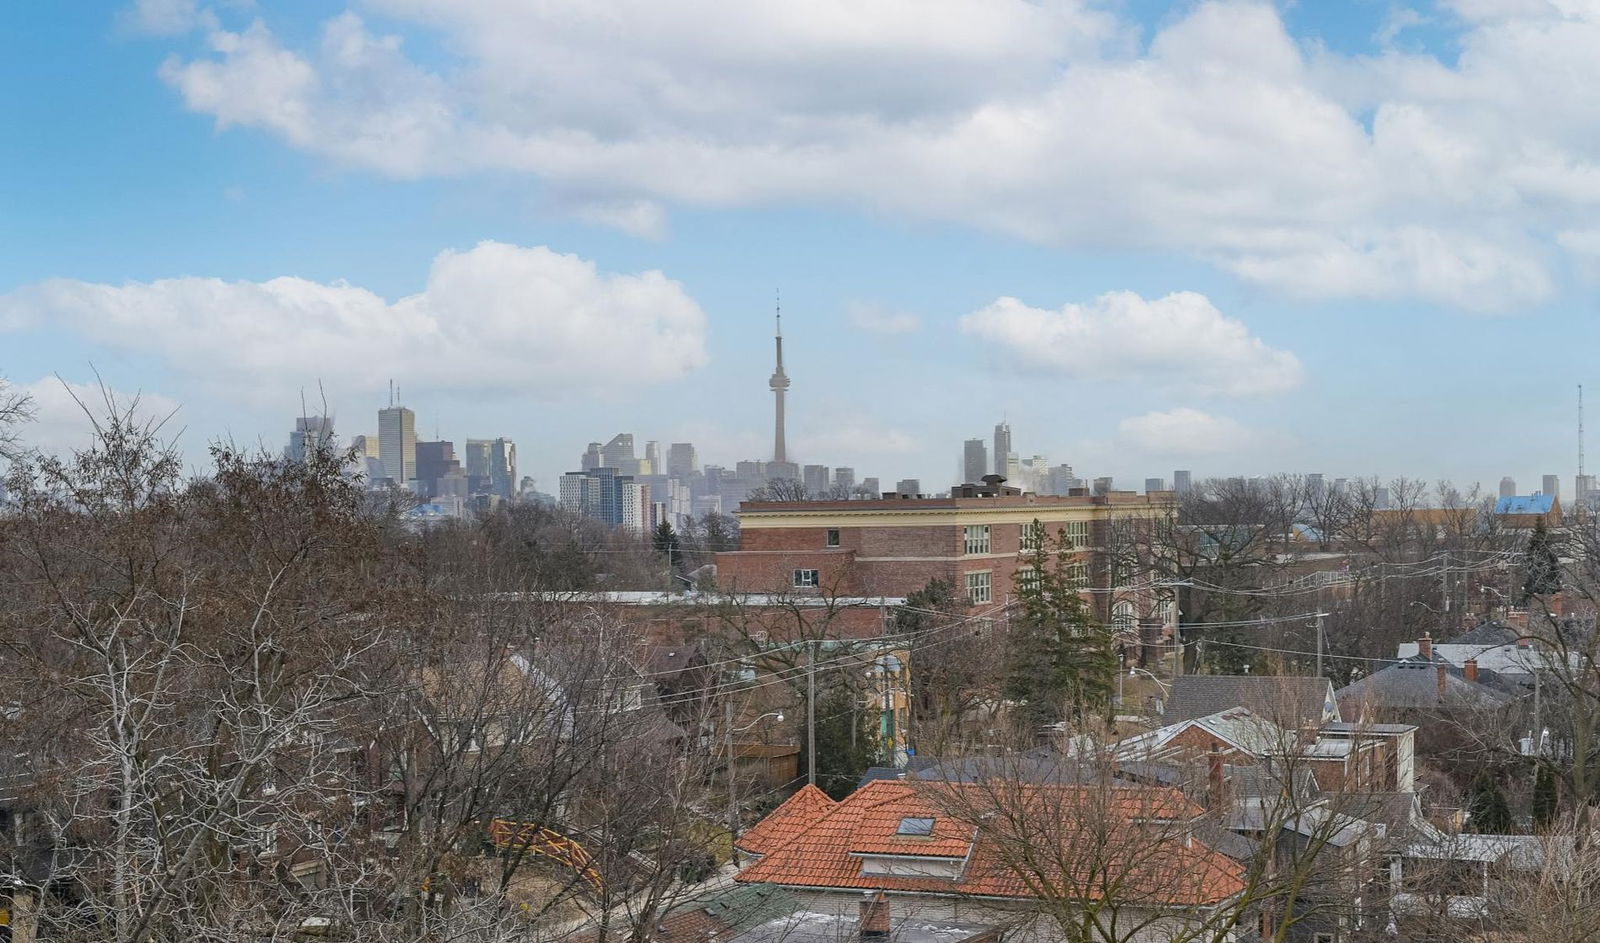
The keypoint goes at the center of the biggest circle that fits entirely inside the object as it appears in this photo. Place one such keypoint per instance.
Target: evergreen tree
(1487, 810)
(1546, 797)
(1544, 566)
(1060, 663)
(848, 741)
(665, 540)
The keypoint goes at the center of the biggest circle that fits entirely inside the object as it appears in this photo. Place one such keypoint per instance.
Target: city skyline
(924, 300)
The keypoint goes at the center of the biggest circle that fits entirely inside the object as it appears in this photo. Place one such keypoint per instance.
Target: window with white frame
(833, 536)
(1077, 576)
(1124, 621)
(1078, 533)
(977, 538)
(1032, 539)
(807, 578)
(1029, 578)
(979, 588)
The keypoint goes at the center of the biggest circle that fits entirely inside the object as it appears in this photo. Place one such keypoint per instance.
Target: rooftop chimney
(1470, 669)
(1425, 646)
(1441, 682)
(875, 916)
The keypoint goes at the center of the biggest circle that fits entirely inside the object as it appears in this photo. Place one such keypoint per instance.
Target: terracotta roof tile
(823, 845)
(787, 821)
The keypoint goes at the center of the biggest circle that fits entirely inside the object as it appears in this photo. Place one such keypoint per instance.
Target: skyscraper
(815, 478)
(1508, 486)
(974, 461)
(397, 443)
(1002, 449)
(682, 461)
(652, 458)
(910, 486)
(477, 454)
(503, 467)
(844, 477)
(779, 385)
(618, 453)
(1552, 485)
(310, 433)
(1180, 481)
(434, 461)
(1152, 485)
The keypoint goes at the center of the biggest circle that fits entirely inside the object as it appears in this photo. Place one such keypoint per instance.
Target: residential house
(930, 848)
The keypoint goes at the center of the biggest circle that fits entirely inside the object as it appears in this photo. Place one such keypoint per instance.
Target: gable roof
(1290, 700)
(787, 821)
(829, 844)
(1238, 727)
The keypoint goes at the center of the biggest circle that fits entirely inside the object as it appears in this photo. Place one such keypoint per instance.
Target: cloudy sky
(1353, 237)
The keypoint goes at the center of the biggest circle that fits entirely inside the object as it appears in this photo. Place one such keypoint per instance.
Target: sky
(1357, 237)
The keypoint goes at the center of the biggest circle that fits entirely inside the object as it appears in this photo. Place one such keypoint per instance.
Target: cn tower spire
(779, 384)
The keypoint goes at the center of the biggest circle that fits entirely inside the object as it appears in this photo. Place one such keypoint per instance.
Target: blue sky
(1350, 237)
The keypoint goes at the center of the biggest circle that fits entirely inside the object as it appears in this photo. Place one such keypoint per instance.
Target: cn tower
(779, 383)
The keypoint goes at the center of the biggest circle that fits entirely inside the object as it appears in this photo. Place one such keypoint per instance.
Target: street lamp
(1134, 672)
(733, 797)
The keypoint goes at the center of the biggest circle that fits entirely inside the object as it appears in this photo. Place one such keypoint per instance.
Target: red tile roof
(787, 821)
(821, 846)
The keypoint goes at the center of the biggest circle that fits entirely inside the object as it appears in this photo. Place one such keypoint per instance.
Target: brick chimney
(1470, 669)
(1425, 645)
(875, 916)
(1442, 676)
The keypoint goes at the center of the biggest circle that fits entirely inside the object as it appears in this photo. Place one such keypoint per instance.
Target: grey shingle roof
(1289, 700)
(1413, 684)
(1486, 633)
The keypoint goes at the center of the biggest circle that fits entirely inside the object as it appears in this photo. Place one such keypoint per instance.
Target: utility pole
(1319, 644)
(733, 799)
(811, 713)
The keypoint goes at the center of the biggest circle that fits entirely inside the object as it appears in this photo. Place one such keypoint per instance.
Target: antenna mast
(1580, 432)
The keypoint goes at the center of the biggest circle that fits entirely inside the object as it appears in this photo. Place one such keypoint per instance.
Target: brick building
(974, 539)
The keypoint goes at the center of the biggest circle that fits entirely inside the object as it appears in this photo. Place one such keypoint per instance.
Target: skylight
(915, 826)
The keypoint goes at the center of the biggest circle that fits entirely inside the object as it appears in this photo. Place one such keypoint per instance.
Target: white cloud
(1180, 340)
(496, 317)
(1183, 432)
(168, 17)
(874, 318)
(1393, 175)
(62, 413)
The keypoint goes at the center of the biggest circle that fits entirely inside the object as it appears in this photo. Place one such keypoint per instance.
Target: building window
(1124, 622)
(978, 589)
(915, 826)
(1032, 539)
(833, 536)
(977, 538)
(1029, 578)
(1078, 533)
(807, 578)
(1077, 576)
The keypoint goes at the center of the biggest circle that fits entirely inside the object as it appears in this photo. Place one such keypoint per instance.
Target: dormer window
(919, 827)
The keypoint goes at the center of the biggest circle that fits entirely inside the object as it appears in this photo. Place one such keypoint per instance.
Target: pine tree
(1060, 662)
(1488, 812)
(1546, 797)
(1544, 567)
(848, 740)
(665, 540)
